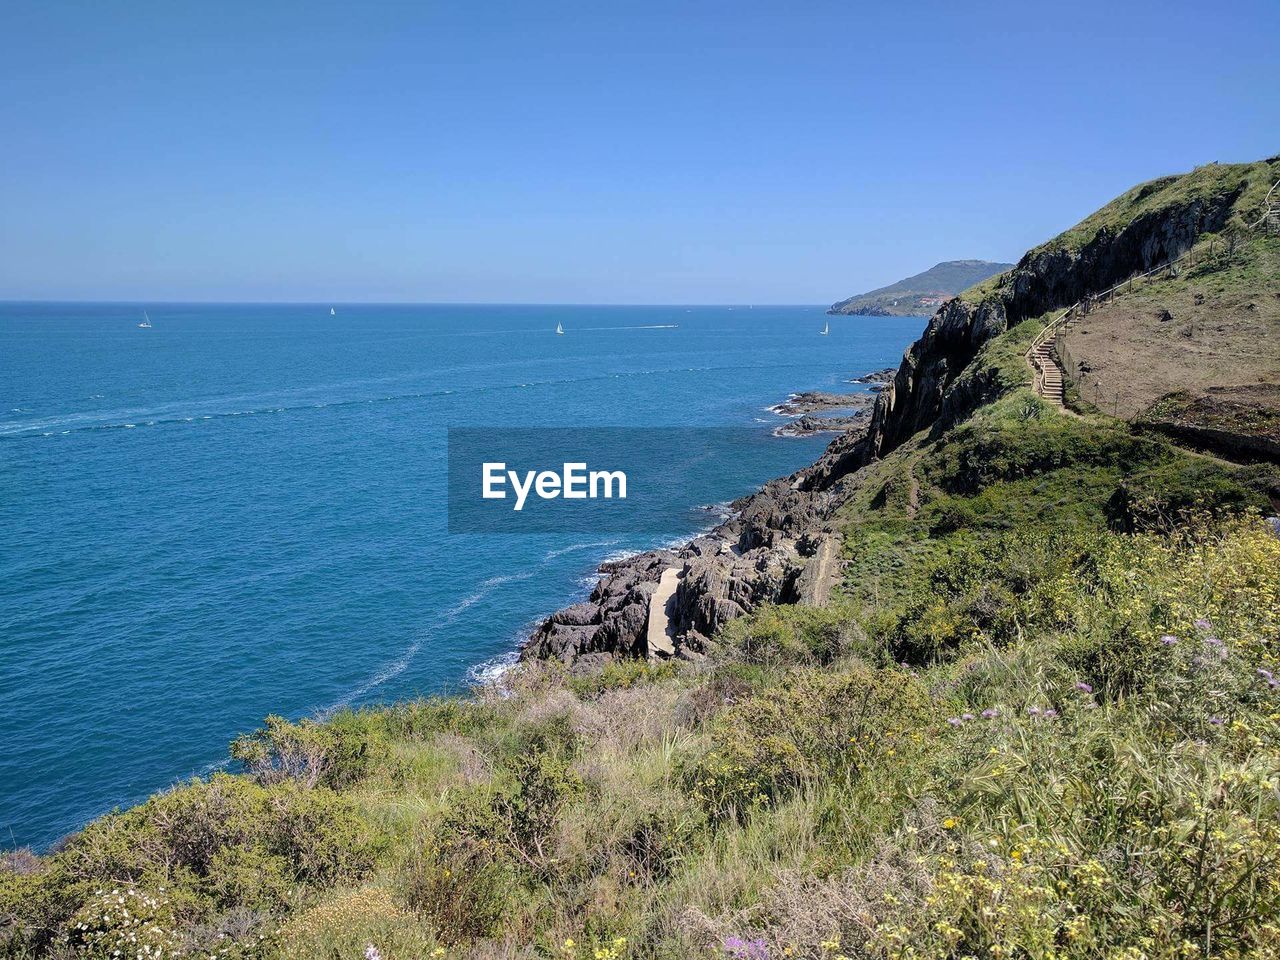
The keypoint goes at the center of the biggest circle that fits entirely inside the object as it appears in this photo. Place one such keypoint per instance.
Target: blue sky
(647, 152)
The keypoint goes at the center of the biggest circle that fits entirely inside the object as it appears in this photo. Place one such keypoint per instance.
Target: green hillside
(922, 293)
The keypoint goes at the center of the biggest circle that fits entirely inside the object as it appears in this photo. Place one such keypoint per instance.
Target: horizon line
(399, 303)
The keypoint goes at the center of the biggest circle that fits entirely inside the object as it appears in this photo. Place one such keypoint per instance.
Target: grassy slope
(1252, 180)
(1038, 722)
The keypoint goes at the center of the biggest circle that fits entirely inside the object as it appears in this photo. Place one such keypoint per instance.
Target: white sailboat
(332, 312)
(146, 321)
(559, 329)
(826, 328)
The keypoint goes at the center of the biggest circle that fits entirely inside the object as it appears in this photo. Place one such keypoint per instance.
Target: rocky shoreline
(844, 411)
(778, 546)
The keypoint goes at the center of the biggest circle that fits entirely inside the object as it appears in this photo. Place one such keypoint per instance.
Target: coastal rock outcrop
(755, 557)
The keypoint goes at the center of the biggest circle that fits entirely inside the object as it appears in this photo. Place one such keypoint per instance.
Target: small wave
(618, 556)
(492, 670)
(644, 326)
(507, 578)
(392, 670)
(575, 547)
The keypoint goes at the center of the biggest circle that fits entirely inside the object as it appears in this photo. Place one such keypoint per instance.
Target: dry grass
(1216, 328)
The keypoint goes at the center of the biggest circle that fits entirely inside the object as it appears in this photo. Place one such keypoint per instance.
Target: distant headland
(923, 293)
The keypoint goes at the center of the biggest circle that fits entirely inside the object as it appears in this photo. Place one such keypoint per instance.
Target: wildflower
(949, 823)
(746, 949)
(1084, 687)
(1050, 714)
(1216, 721)
(954, 721)
(372, 953)
(1203, 625)
(966, 716)
(1034, 711)
(1168, 640)
(990, 713)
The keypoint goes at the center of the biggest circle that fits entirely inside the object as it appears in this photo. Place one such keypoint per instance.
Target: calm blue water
(242, 510)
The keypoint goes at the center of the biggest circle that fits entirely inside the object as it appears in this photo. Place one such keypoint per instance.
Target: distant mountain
(923, 293)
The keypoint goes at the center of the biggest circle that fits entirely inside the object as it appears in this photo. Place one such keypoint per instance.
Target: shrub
(780, 635)
(620, 675)
(344, 926)
(813, 723)
(333, 754)
(491, 845)
(422, 719)
(123, 922)
(209, 846)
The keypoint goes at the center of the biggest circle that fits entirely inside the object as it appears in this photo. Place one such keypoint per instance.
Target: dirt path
(820, 575)
(660, 638)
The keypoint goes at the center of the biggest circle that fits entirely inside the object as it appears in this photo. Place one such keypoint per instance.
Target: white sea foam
(390, 671)
(575, 547)
(492, 670)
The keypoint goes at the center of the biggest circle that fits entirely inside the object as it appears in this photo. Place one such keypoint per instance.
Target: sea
(242, 510)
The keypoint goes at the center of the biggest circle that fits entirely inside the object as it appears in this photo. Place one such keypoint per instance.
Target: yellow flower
(949, 823)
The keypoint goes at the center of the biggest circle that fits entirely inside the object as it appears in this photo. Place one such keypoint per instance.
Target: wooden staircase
(1050, 380)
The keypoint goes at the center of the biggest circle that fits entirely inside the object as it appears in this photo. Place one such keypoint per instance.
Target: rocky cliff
(774, 549)
(1051, 277)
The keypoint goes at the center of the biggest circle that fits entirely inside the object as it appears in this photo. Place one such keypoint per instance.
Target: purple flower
(1203, 625)
(1084, 687)
(990, 713)
(372, 953)
(966, 716)
(1213, 641)
(1168, 639)
(1034, 711)
(1216, 721)
(954, 721)
(746, 949)
(1050, 714)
